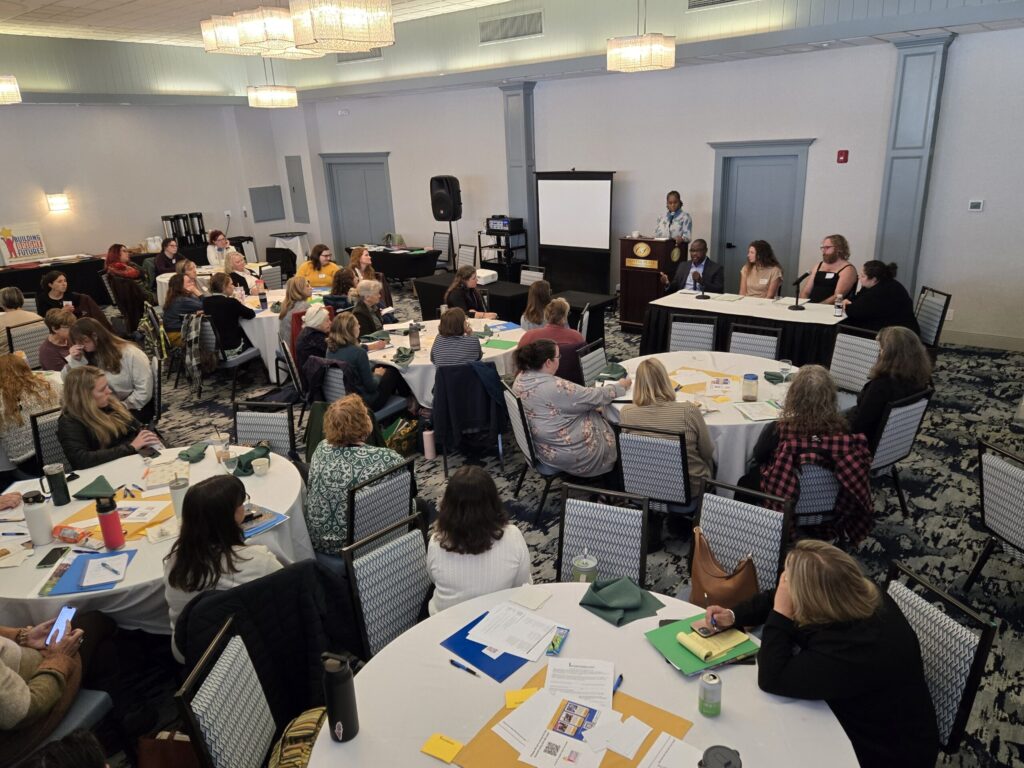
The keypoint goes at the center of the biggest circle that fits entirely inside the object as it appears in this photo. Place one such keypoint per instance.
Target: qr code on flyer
(552, 749)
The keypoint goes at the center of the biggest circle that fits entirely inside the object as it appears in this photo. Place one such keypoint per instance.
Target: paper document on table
(512, 629)
(531, 596)
(588, 681)
(521, 727)
(553, 750)
(685, 377)
(758, 411)
(104, 570)
(726, 297)
(140, 511)
(12, 557)
(160, 474)
(13, 535)
(669, 752)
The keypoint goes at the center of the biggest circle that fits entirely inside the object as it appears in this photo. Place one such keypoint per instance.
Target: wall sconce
(58, 203)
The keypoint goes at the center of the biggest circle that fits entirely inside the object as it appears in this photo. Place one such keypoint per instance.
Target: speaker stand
(451, 248)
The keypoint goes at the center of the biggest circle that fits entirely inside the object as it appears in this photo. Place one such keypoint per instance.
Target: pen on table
(109, 567)
(14, 533)
(618, 684)
(463, 667)
(138, 488)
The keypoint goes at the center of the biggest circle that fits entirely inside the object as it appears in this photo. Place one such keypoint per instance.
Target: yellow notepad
(442, 747)
(707, 648)
(514, 698)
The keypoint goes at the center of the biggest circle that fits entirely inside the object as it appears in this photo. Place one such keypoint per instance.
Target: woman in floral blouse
(340, 462)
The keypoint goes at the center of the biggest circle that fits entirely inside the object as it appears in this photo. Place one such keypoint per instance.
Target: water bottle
(110, 524)
(839, 305)
(340, 698)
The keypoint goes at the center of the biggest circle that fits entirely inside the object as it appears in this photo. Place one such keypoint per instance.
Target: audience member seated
(537, 300)
(833, 276)
(241, 277)
(22, 393)
(312, 339)
(342, 283)
(319, 269)
(79, 749)
(296, 299)
(361, 264)
(556, 326)
(881, 301)
(830, 633)
(375, 386)
(474, 550)
(13, 300)
(187, 268)
(217, 249)
(167, 260)
(178, 303)
(210, 552)
(341, 461)
(455, 343)
(94, 426)
(226, 313)
(125, 366)
(119, 264)
(463, 293)
(569, 433)
(903, 368)
(761, 276)
(366, 297)
(54, 294)
(810, 425)
(55, 346)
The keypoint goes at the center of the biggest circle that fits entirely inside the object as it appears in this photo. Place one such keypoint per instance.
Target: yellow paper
(442, 747)
(514, 698)
(707, 648)
(722, 399)
(133, 531)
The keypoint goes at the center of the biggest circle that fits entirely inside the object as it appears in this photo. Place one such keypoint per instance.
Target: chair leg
(522, 476)
(986, 553)
(234, 382)
(302, 413)
(899, 491)
(543, 498)
(444, 461)
(501, 455)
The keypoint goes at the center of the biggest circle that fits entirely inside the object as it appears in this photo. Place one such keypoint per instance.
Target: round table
(138, 601)
(409, 691)
(163, 281)
(263, 329)
(419, 374)
(733, 434)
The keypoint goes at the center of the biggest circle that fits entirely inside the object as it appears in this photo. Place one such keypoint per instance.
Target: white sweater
(460, 577)
(133, 384)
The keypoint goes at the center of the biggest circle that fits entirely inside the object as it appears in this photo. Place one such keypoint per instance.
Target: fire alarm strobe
(843, 156)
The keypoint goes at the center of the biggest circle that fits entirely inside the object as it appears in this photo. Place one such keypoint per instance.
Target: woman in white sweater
(473, 549)
(125, 365)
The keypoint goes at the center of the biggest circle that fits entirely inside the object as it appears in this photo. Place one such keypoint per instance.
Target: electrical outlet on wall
(245, 212)
(227, 213)
(949, 315)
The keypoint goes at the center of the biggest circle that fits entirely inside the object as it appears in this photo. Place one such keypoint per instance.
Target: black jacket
(886, 303)
(311, 342)
(83, 450)
(464, 406)
(370, 320)
(866, 416)
(465, 299)
(869, 673)
(225, 312)
(714, 276)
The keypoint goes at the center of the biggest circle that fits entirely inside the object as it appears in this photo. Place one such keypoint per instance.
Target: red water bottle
(110, 523)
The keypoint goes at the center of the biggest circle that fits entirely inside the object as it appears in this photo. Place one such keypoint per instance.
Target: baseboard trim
(1011, 343)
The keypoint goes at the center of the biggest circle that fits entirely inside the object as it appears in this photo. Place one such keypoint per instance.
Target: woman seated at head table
(474, 550)
(569, 433)
(811, 423)
(54, 294)
(241, 277)
(217, 249)
(94, 426)
(464, 294)
(903, 368)
(187, 269)
(556, 326)
(761, 276)
(375, 386)
(455, 343)
(537, 300)
(342, 283)
(55, 346)
(881, 301)
(119, 264)
(210, 552)
(177, 303)
(12, 300)
(830, 633)
(125, 366)
(319, 269)
(23, 393)
(226, 312)
(341, 461)
(296, 299)
(167, 260)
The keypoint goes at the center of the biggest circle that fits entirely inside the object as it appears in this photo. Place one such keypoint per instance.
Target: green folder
(499, 344)
(664, 640)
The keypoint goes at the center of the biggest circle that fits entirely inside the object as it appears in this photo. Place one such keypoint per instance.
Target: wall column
(520, 158)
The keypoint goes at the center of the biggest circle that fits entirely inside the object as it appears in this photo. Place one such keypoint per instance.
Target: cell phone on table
(61, 625)
(704, 629)
(148, 452)
(52, 557)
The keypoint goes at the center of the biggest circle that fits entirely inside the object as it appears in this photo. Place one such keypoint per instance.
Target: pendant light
(641, 52)
(9, 91)
(343, 26)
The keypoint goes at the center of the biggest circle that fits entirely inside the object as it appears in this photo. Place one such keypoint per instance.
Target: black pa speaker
(445, 198)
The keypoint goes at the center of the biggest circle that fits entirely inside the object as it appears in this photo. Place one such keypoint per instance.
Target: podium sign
(642, 260)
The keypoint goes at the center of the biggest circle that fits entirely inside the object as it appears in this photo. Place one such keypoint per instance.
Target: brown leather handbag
(711, 585)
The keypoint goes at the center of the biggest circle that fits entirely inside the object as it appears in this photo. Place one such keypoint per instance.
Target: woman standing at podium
(761, 276)
(675, 222)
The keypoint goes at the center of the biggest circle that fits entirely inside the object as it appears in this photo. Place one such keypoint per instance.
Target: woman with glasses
(834, 275)
(319, 269)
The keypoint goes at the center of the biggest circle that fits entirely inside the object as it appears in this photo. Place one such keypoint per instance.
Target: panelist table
(83, 273)
(409, 691)
(807, 336)
(507, 299)
(402, 263)
(138, 601)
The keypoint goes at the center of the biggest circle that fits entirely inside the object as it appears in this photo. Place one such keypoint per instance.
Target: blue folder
(473, 653)
(71, 582)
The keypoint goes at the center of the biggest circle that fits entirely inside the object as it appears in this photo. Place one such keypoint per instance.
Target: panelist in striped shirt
(455, 343)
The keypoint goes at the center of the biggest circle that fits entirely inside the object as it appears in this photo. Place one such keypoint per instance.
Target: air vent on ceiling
(507, 28)
(370, 55)
(697, 4)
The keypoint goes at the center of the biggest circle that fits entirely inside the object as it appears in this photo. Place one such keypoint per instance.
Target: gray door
(360, 194)
(297, 189)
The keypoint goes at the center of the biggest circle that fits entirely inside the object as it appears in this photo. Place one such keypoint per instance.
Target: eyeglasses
(828, 247)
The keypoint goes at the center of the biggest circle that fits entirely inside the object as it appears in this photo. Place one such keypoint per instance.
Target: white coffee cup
(635, 233)
(39, 521)
(260, 466)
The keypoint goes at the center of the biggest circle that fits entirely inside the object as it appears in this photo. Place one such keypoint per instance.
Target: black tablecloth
(404, 266)
(598, 304)
(803, 343)
(507, 299)
(83, 277)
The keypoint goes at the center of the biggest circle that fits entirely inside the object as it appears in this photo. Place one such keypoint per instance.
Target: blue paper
(473, 653)
(505, 327)
(71, 582)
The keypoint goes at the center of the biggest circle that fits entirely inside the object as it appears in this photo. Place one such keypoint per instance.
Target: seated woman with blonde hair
(23, 392)
(377, 385)
(241, 276)
(830, 633)
(124, 364)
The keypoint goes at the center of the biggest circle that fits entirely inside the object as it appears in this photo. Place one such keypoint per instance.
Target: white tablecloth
(398, 693)
(262, 331)
(138, 601)
(748, 306)
(203, 273)
(419, 374)
(733, 434)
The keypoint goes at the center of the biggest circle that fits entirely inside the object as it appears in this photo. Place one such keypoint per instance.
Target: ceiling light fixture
(343, 26)
(265, 29)
(58, 203)
(220, 35)
(9, 91)
(272, 96)
(641, 52)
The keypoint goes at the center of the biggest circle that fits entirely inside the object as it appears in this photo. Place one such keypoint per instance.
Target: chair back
(271, 277)
(853, 356)
(756, 341)
(900, 424)
(44, 437)
(584, 324)
(378, 503)
(615, 535)
(283, 258)
(691, 333)
(592, 361)
(520, 426)
(225, 707)
(160, 342)
(334, 384)
(654, 465)
(442, 242)
(209, 339)
(737, 529)
(530, 274)
(27, 337)
(818, 489)
(156, 366)
(953, 653)
(105, 278)
(293, 369)
(30, 303)
(569, 363)
(466, 256)
(389, 583)
(273, 422)
(931, 309)
(1002, 495)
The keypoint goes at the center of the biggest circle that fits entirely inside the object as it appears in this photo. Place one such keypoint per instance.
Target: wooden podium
(641, 262)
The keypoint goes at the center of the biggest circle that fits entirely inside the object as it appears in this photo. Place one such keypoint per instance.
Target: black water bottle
(340, 698)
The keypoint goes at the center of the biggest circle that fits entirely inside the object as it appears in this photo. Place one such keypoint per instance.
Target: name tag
(323, 275)
(830, 275)
(763, 281)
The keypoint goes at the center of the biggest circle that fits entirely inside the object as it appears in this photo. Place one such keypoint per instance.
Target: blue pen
(618, 684)
(463, 667)
(14, 533)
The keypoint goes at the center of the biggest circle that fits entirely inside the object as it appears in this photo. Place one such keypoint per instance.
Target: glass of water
(785, 366)
(230, 463)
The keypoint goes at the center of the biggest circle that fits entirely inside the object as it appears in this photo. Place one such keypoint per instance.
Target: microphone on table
(796, 295)
(699, 278)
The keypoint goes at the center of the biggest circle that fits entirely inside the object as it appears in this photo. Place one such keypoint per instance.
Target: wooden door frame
(333, 159)
(728, 150)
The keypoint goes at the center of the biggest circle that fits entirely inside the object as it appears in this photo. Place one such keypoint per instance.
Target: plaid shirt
(847, 455)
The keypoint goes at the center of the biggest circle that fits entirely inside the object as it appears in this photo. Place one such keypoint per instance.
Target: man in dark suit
(699, 269)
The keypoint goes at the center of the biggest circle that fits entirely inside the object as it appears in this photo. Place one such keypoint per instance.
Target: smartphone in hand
(704, 629)
(61, 625)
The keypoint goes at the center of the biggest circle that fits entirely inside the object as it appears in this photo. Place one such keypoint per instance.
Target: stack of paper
(508, 628)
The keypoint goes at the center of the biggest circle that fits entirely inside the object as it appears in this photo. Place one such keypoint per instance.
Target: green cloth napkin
(612, 372)
(773, 377)
(97, 489)
(486, 333)
(403, 356)
(275, 307)
(244, 468)
(193, 453)
(620, 601)
(375, 336)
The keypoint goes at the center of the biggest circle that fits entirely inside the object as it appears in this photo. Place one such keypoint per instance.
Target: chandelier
(265, 29)
(343, 26)
(220, 35)
(641, 52)
(9, 91)
(272, 96)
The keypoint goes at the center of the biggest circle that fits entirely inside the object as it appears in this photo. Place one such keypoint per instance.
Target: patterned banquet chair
(755, 341)
(900, 424)
(656, 467)
(256, 421)
(1001, 477)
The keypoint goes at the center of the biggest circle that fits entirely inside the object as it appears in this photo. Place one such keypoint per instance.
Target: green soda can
(709, 699)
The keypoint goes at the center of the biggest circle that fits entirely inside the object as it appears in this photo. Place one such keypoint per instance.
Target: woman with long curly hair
(22, 393)
(761, 276)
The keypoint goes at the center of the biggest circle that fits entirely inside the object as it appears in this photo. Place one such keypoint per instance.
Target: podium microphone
(700, 279)
(796, 305)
